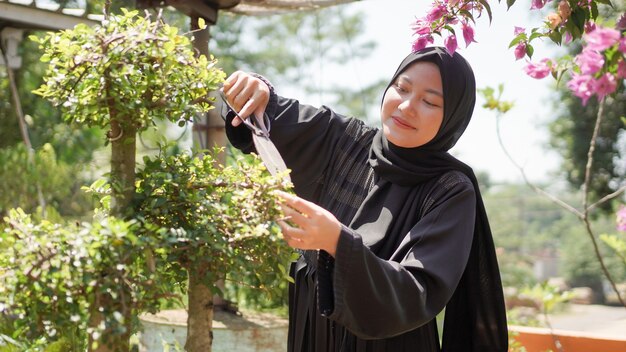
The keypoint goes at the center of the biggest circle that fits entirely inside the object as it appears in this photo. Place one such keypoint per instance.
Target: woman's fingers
(299, 204)
(246, 94)
(294, 216)
(292, 235)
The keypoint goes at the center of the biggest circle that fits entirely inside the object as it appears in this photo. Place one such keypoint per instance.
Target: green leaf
(509, 3)
(517, 39)
(201, 23)
(556, 37)
(530, 51)
(488, 8)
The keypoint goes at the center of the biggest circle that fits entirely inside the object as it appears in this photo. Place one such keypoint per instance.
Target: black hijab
(475, 317)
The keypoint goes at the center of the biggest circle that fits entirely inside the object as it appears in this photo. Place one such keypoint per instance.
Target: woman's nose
(407, 108)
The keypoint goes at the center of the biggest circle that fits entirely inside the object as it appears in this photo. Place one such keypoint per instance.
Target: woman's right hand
(247, 95)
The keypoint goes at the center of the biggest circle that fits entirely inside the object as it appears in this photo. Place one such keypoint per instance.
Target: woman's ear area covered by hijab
(459, 93)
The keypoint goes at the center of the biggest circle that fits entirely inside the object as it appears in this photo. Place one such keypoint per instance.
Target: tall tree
(573, 127)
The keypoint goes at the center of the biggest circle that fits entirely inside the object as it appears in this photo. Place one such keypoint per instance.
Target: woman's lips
(402, 123)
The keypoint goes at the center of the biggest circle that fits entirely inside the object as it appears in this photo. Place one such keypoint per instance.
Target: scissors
(261, 138)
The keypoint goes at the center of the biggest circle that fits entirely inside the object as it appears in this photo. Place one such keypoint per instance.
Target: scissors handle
(260, 128)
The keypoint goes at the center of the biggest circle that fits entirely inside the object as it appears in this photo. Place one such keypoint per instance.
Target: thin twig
(534, 187)
(606, 198)
(584, 215)
(585, 188)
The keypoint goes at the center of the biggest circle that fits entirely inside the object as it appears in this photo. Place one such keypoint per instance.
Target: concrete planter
(542, 339)
(252, 332)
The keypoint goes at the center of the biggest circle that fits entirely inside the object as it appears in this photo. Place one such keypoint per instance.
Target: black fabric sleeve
(376, 298)
(305, 136)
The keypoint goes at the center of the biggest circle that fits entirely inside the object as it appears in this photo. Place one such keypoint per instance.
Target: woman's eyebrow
(435, 92)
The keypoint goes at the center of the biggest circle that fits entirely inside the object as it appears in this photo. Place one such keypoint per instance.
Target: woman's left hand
(316, 227)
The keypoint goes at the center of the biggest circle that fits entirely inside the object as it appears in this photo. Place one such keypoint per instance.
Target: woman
(393, 227)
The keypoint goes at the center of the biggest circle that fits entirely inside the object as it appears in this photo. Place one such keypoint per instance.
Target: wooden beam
(27, 17)
(196, 8)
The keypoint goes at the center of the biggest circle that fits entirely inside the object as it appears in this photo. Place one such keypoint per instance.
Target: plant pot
(251, 332)
(543, 339)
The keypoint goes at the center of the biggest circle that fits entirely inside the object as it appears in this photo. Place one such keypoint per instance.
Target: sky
(523, 129)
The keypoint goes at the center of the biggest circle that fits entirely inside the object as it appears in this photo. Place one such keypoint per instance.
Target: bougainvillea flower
(622, 45)
(422, 41)
(554, 19)
(520, 50)
(468, 33)
(581, 86)
(564, 9)
(567, 38)
(589, 61)
(621, 23)
(421, 26)
(540, 69)
(518, 30)
(450, 43)
(538, 4)
(590, 27)
(605, 85)
(621, 218)
(436, 12)
(621, 69)
(601, 38)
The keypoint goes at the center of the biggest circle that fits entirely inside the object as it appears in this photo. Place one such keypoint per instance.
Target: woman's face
(412, 109)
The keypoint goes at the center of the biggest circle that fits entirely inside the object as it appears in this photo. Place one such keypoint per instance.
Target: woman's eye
(400, 88)
(430, 104)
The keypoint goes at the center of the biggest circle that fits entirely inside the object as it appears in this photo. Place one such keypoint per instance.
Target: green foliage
(217, 218)
(55, 278)
(129, 67)
(24, 176)
(617, 243)
(493, 102)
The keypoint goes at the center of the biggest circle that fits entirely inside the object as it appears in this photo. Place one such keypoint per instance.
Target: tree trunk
(199, 313)
(123, 149)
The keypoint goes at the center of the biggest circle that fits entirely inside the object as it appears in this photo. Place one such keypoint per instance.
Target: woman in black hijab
(392, 228)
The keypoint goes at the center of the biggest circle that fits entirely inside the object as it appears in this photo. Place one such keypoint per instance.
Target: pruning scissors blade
(261, 137)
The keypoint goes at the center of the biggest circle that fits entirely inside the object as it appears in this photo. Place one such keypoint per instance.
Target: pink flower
(520, 50)
(581, 86)
(518, 30)
(621, 218)
(605, 85)
(538, 4)
(421, 42)
(621, 69)
(421, 26)
(589, 61)
(450, 44)
(622, 45)
(436, 13)
(452, 2)
(468, 34)
(621, 23)
(602, 38)
(539, 70)
(590, 27)
(568, 38)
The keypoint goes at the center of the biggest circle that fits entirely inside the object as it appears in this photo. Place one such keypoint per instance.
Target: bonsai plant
(181, 218)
